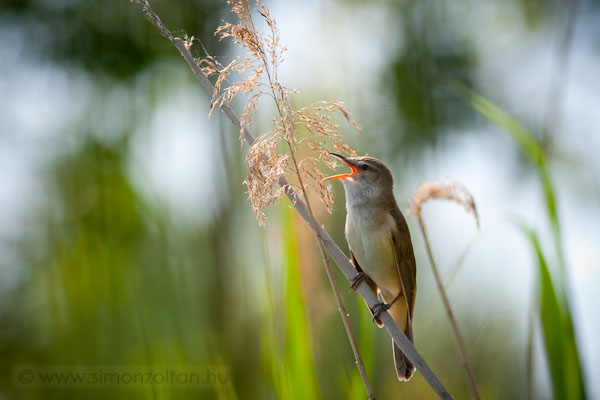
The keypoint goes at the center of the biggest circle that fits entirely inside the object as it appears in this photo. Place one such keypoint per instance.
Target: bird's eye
(364, 167)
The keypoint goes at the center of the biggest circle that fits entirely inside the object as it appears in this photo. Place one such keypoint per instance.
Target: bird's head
(369, 179)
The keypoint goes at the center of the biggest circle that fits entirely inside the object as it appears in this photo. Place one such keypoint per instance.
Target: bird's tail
(404, 367)
(399, 312)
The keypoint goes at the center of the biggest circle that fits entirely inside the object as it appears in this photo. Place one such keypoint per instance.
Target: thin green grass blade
(299, 357)
(557, 328)
(550, 314)
(272, 359)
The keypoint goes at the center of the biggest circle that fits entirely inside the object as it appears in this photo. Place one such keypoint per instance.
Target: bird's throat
(357, 195)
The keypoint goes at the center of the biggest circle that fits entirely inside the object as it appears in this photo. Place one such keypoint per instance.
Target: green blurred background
(126, 239)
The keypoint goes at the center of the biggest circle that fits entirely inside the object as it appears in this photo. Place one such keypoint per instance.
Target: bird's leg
(360, 276)
(382, 307)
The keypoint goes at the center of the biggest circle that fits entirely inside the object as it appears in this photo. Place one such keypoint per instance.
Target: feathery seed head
(297, 140)
(448, 189)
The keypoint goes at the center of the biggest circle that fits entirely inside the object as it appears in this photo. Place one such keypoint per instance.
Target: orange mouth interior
(343, 176)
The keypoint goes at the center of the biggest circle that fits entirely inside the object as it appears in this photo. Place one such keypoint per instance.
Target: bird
(380, 246)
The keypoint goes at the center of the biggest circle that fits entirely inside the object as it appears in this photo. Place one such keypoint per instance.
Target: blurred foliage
(554, 310)
(422, 108)
(108, 37)
(423, 113)
(107, 277)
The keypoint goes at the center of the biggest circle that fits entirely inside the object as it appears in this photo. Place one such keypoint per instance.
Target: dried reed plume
(455, 191)
(447, 189)
(310, 130)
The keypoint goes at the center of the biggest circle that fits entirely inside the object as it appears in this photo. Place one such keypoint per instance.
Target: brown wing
(405, 258)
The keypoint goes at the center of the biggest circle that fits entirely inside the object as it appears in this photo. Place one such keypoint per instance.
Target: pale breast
(369, 240)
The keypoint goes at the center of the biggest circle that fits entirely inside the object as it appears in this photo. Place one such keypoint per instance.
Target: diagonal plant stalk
(335, 252)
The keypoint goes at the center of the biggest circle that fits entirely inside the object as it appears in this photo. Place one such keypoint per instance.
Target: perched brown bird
(380, 245)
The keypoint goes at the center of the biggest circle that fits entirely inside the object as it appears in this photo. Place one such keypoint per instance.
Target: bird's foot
(380, 308)
(361, 276)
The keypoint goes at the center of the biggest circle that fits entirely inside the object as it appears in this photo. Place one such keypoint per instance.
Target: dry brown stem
(447, 189)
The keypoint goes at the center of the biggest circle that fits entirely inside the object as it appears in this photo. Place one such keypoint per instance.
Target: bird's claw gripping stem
(379, 308)
(382, 307)
(361, 276)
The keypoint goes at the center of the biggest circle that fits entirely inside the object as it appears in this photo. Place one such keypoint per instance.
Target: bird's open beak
(348, 163)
